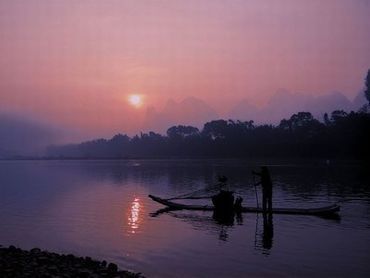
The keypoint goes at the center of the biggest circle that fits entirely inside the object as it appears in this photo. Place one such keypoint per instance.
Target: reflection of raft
(320, 211)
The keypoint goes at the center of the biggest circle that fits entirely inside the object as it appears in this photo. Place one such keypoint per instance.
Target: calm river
(101, 209)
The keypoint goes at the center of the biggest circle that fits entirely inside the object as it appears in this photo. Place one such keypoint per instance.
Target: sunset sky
(103, 67)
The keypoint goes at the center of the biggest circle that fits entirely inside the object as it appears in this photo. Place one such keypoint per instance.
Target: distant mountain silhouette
(284, 103)
(245, 110)
(190, 111)
(21, 135)
(359, 101)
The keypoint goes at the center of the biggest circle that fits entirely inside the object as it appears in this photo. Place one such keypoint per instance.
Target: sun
(135, 100)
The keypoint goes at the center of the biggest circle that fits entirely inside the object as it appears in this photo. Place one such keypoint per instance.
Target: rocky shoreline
(15, 262)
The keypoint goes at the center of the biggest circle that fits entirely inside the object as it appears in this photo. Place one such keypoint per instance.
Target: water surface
(101, 209)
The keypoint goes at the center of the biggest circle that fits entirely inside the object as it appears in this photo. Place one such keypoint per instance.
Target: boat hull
(319, 211)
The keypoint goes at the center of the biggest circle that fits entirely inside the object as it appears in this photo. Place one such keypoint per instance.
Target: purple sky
(73, 64)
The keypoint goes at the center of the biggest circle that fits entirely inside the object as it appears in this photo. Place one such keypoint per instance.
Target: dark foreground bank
(15, 262)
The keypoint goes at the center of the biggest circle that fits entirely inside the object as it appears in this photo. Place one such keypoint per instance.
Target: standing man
(266, 188)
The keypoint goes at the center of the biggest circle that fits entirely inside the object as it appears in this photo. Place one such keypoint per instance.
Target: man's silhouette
(266, 188)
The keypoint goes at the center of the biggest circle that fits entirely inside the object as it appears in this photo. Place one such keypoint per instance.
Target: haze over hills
(22, 134)
(284, 103)
(194, 111)
(190, 111)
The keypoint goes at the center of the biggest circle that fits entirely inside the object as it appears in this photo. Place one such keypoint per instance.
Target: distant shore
(256, 160)
(15, 262)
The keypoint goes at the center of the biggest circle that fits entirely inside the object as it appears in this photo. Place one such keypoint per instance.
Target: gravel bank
(15, 262)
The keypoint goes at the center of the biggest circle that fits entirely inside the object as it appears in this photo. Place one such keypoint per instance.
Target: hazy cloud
(190, 111)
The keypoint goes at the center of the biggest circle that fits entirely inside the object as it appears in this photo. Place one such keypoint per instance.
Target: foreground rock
(15, 262)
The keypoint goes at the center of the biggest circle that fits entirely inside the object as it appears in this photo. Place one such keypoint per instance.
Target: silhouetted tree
(301, 119)
(326, 119)
(343, 135)
(367, 86)
(182, 131)
(337, 115)
(285, 125)
(215, 129)
(118, 145)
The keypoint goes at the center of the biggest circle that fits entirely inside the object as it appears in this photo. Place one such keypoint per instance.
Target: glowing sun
(135, 100)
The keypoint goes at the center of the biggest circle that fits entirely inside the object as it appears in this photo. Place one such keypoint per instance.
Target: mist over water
(22, 135)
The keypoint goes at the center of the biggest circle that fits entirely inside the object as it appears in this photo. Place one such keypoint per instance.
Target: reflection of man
(266, 188)
(268, 231)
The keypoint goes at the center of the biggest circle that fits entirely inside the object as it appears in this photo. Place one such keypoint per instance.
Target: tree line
(338, 135)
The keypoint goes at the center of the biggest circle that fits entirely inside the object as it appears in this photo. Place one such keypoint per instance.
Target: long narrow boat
(319, 211)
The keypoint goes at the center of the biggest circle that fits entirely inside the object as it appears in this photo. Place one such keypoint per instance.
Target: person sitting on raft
(224, 200)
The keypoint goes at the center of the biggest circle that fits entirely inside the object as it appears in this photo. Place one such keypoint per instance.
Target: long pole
(255, 189)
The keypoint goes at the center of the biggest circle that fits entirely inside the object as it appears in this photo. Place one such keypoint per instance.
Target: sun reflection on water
(134, 216)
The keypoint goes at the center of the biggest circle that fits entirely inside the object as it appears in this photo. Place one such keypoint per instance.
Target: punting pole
(255, 189)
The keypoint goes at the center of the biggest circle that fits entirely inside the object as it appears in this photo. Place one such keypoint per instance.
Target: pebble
(15, 262)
